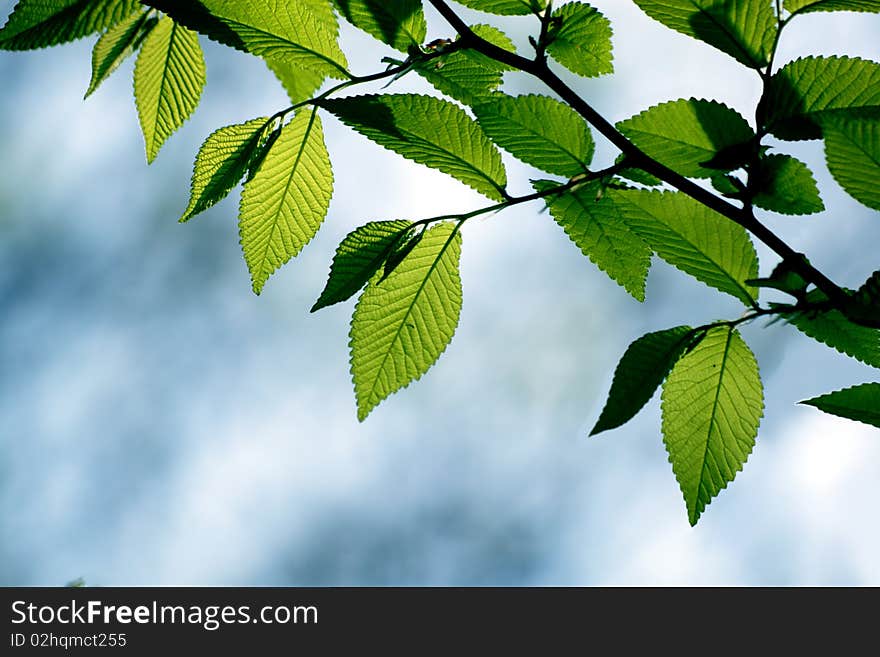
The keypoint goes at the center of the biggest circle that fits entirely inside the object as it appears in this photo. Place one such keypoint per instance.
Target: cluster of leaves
(620, 216)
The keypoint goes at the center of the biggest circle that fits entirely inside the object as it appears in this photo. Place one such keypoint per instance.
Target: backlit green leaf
(399, 23)
(428, 130)
(222, 162)
(831, 328)
(168, 80)
(357, 258)
(688, 136)
(116, 45)
(712, 405)
(506, 7)
(599, 230)
(582, 42)
(403, 324)
(539, 130)
(860, 403)
(467, 75)
(693, 238)
(286, 200)
(301, 83)
(784, 184)
(302, 33)
(852, 149)
(42, 23)
(644, 366)
(744, 29)
(808, 91)
(809, 6)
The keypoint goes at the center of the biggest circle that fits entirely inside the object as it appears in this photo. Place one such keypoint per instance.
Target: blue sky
(160, 424)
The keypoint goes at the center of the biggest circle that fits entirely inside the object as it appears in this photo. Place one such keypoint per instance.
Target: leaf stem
(527, 198)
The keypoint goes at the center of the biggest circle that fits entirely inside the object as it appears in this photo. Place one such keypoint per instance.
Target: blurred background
(159, 424)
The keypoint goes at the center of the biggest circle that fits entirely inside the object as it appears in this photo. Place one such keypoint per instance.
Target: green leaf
(644, 366)
(852, 149)
(864, 305)
(636, 174)
(399, 251)
(116, 45)
(690, 135)
(582, 42)
(833, 329)
(399, 23)
(358, 257)
(168, 80)
(467, 75)
(506, 7)
(430, 131)
(786, 185)
(712, 405)
(744, 29)
(785, 279)
(286, 200)
(302, 33)
(540, 131)
(402, 325)
(222, 162)
(300, 83)
(808, 91)
(599, 230)
(809, 6)
(693, 238)
(42, 23)
(860, 403)
(728, 185)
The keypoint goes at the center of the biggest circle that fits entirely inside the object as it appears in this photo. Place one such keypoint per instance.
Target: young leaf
(600, 232)
(467, 75)
(582, 42)
(285, 202)
(116, 45)
(540, 131)
(712, 405)
(807, 91)
(689, 135)
(860, 403)
(42, 23)
(852, 149)
(168, 80)
(357, 258)
(506, 7)
(402, 325)
(430, 131)
(784, 184)
(399, 23)
(693, 238)
(222, 162)
(744, 29)
(833, 329)
(644, 366)
(302, 33)
(809, 6)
